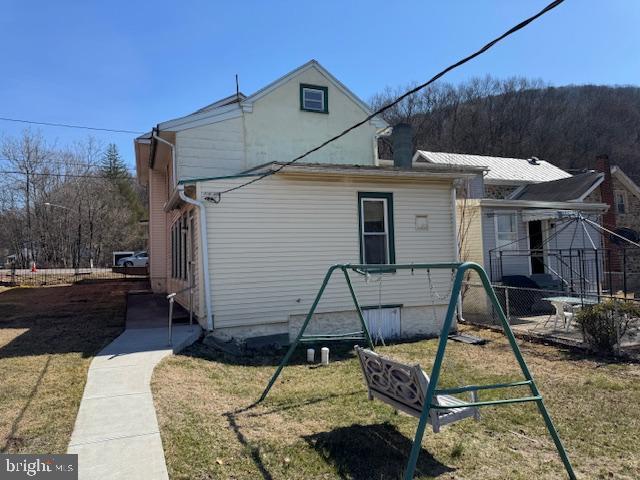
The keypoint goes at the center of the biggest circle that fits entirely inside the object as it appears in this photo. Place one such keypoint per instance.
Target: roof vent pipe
(402, 141)
(534, 161)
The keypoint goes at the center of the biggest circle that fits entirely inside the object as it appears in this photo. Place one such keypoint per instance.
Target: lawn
(317, 422)
(47, 339)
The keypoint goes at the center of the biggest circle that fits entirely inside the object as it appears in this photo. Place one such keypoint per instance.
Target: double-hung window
(314, 98)
(376, 228)
(620, 199)
(506, 231)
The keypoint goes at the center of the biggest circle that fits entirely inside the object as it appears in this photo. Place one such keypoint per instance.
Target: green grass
(47, 339)
(317, 422)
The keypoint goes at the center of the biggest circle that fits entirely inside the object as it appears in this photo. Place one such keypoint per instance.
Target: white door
(383, 323)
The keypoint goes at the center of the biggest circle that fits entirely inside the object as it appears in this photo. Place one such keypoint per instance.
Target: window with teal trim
(375, 211)
(314, 98)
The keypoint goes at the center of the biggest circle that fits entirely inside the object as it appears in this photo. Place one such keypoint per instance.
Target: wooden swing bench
(404, 388)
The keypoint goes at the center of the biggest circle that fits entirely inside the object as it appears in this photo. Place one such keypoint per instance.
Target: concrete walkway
(116, 434)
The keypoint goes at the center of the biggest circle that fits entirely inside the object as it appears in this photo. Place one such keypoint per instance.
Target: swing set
(431, 394)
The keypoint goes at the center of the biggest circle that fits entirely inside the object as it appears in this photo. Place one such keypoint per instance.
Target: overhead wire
(67, 125)
(408, 93)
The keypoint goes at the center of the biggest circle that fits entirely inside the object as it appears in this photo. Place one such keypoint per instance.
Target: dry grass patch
(47, 339)
(318, 424)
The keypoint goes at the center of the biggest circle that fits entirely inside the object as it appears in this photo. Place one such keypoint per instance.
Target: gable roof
(499, 169)
(570, 189)
(233, 106)
(625, 180)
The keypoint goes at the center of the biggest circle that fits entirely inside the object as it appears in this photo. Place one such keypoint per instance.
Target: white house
(519, 219)
(259, 253)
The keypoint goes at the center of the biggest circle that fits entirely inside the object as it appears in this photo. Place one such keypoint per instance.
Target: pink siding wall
(158, 228)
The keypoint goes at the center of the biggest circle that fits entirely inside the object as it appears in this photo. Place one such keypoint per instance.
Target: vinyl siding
(157, 230)
(211, 150)
(470, 230)
(270, 245)
(278, 130)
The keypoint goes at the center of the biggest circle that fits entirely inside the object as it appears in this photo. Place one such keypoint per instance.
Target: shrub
(604, 323)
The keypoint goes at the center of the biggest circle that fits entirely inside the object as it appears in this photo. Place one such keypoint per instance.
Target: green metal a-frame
(461, 269)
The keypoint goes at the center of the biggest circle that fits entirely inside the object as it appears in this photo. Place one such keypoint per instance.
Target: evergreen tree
(112, 165)
(114, 169)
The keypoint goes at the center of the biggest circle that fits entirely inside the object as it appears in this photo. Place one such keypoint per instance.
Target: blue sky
(132, 64)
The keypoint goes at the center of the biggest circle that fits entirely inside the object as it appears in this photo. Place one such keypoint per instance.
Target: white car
(140, 259)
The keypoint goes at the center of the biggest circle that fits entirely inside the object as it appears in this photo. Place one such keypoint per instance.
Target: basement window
(314, 98)
(375, 214)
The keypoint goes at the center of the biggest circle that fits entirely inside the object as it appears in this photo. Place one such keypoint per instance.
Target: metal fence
(598, 271)
(60, 276)
(538, 311)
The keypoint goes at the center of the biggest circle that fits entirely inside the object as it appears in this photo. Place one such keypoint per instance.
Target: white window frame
(304, 99)
(623, 195)
(511, 244)
(385, 211)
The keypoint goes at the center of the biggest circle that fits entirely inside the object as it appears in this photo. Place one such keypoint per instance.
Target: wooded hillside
(521, 118)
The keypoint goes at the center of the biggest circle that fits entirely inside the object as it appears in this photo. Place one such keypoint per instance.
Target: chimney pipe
(402, 141)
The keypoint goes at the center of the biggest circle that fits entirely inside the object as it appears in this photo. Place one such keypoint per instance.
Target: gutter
(173, 156)
(596, 207)
(204, 247)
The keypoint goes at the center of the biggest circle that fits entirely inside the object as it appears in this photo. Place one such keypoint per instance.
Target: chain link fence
(60, 276)
(547, 313)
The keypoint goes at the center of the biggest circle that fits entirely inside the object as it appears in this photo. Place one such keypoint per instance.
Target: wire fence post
(624, 271)
(507, 304)
(598, 286)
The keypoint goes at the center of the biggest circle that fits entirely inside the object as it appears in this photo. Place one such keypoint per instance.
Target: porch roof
(537, 205)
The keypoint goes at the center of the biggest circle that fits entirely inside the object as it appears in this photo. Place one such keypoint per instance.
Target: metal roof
(499, 169)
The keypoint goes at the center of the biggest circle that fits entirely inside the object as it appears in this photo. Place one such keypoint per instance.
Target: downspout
(203, 233)
(204, 247)
(456, 248)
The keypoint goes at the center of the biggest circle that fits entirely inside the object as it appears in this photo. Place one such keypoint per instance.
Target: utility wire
(63, 163)
(383, 109)
(47, 174)
(66, 125)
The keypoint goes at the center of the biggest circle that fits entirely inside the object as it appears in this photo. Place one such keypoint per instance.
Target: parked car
(140, 259)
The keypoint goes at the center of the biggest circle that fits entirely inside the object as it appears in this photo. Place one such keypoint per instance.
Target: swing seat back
(404, 388)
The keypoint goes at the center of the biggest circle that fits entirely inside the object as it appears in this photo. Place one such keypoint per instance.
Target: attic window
(314, 98)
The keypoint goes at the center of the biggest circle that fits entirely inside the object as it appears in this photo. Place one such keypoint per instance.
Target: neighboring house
(259, 253)
(623, 217)
(518, 219)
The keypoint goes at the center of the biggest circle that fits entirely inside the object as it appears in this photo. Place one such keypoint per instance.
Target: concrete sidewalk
(116, 434)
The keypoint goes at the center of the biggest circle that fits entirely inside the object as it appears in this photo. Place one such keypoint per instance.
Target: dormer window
(314, 98)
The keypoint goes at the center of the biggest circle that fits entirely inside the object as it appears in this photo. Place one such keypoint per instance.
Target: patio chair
(404, 388)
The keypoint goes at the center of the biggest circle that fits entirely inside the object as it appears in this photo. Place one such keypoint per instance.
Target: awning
(546, 214)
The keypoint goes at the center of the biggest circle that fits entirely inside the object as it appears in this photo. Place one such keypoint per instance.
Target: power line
(383, 109)
(48, 174)
(66, 125)
(71, 164)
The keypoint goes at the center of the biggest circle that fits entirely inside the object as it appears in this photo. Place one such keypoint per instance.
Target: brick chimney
(606, 192)
(608, 219)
